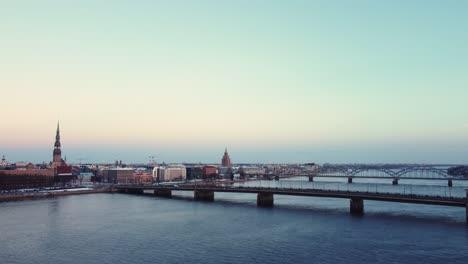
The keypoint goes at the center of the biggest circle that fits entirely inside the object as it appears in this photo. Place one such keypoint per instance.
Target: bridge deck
(388, 197)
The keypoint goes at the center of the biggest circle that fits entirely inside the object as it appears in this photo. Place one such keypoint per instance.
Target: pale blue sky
(325, 81)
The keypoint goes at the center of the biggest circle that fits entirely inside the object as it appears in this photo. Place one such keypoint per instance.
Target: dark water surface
(119, 228)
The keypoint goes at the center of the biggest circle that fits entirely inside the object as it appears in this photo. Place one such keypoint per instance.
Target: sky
(273, 81)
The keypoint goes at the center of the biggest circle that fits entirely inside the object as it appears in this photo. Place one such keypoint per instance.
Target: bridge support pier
(264, 199)
(204, 195)
(466, 205)
(450, 183)
(311, 178)
(467, 211)
(356, 206)
(134, 191)
(395, 182)
(163, 193)
(350, 179)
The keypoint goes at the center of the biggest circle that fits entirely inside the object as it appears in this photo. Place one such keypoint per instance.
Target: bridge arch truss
(384, 171)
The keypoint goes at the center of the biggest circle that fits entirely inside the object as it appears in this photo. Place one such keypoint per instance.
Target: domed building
(4, 162)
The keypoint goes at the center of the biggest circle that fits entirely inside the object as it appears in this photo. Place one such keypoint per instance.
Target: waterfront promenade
(18, 196)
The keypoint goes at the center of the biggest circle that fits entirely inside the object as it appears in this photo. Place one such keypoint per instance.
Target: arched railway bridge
(393, 172)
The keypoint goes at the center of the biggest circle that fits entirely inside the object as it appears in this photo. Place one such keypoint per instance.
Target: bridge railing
(417, 190)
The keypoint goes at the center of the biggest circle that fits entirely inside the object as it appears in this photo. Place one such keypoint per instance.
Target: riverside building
(117, 175)
(172, 173)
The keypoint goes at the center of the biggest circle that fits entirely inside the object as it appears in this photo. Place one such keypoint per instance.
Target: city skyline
(321, 81)
(171, 154)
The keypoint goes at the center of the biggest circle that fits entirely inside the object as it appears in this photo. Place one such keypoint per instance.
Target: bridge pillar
(466, 205)
(163, 193)
(395, 182)
(350, 179)
(450, 183)
(311, 178)
(202, 195)
(135, 191)
(356, 206)
(264, 199)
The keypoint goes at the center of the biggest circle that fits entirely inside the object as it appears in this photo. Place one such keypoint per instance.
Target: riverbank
(50, 194)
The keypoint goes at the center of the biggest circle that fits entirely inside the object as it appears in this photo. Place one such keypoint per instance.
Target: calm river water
(120, 228)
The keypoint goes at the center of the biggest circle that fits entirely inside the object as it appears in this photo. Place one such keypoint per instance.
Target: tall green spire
(57, 136)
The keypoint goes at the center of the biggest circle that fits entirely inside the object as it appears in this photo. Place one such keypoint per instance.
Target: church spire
(57, 136)
(226, 160)
(57, 154)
